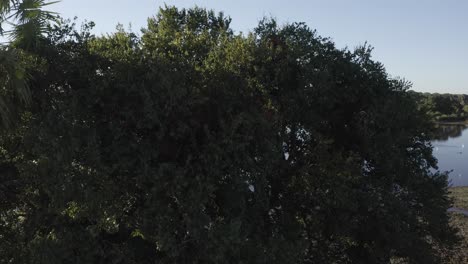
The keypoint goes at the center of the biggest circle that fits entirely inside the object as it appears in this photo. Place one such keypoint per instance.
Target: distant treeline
(444, 107)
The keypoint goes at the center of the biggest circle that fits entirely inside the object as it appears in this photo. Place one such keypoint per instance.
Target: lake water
(451, 150)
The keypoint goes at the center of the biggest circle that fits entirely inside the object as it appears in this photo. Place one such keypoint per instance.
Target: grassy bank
(459, 254)
(460, 196)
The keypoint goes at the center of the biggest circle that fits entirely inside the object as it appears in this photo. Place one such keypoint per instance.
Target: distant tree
(443, 107)
(444, 104)
(191, 144)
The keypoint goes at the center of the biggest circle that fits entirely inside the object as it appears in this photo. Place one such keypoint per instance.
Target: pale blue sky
(424, 41)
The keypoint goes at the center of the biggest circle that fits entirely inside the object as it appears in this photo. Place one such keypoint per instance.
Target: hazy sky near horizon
(423, 41)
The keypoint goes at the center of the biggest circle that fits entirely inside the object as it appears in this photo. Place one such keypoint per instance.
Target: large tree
(193, 144)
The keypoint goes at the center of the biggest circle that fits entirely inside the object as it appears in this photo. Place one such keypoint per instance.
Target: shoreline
(452, 122)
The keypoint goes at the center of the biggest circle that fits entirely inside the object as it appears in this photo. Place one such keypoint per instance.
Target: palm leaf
(12, 83)
(28, 20)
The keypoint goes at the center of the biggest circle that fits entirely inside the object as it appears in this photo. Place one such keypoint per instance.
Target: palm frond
(27, 21)
(27, 18)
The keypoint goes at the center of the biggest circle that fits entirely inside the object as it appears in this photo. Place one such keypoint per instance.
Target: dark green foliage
(191, 144)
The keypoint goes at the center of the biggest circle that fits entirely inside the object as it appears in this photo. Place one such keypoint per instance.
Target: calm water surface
(451, 150)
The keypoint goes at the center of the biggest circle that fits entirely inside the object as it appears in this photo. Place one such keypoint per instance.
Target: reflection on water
(449, 149)
(444, 132)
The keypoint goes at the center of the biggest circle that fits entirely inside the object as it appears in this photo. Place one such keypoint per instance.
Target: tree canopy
(194, 144)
